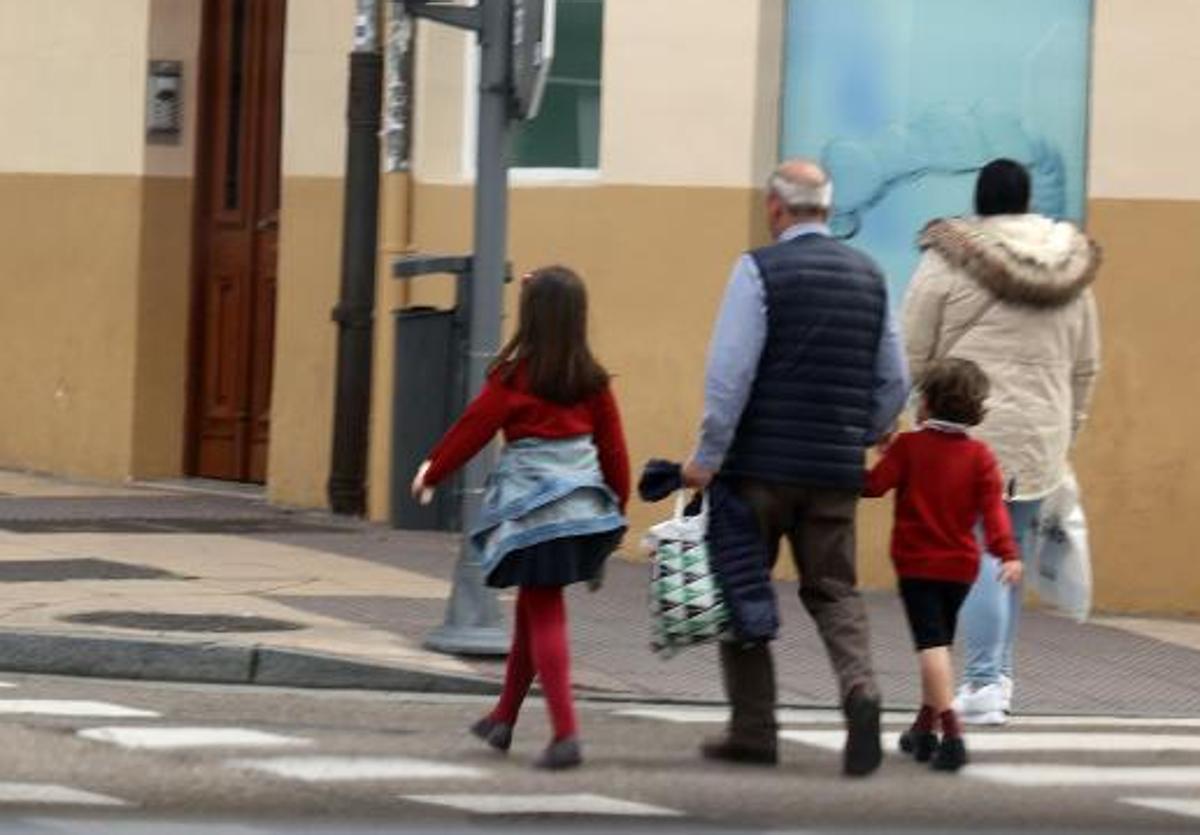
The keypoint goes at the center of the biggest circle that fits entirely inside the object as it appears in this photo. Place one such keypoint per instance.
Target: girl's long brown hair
(551, 340)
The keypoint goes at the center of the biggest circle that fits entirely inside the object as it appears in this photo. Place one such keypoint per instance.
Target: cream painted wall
(82, 110)
(656, 97)
(440, 120)
(73, 89)
(319, 37)
(175, 27)
(694, 75)
(1145, 108)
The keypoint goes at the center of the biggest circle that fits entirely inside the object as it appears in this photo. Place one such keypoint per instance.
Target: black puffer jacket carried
(736, 550)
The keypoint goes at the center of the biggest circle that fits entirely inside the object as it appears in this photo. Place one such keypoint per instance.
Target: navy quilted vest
(809, 412)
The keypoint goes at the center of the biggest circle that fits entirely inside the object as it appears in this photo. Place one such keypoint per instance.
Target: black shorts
(932, 608)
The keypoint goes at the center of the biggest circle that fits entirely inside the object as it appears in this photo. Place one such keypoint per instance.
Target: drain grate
(176, 622)
(56, 571)
(167, 525)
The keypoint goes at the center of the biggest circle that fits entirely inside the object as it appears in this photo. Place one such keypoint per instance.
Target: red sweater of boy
(945, 481)
(508, 406)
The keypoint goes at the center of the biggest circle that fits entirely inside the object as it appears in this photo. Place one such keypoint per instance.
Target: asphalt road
(81, 755)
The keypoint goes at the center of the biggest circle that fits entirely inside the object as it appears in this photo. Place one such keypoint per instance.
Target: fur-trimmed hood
(1021, 259)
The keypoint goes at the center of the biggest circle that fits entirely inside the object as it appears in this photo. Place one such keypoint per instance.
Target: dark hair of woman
(1003, 188)
(551, 343)
(955, 391)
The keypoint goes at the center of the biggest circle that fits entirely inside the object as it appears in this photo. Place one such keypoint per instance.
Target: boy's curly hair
(955, 391)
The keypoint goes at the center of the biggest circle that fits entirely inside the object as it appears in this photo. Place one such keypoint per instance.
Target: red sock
(926, 719)
(951, 727)
(518, 673)
(547, 613)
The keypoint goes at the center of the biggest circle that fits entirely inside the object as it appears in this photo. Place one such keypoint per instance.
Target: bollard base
(473, 624)
(481, 641)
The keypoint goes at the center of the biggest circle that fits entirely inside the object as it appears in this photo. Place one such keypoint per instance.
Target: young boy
(946, 482)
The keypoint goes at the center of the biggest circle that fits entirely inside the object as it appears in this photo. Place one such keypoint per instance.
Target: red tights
(539, 647)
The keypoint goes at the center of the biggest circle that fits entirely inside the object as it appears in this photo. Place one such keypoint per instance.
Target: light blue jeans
(992, 611)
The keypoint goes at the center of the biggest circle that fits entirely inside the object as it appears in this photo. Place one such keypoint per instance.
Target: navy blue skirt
(557, 562)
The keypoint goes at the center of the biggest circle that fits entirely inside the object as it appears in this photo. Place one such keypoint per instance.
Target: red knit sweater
(946, 482)
(509, 407)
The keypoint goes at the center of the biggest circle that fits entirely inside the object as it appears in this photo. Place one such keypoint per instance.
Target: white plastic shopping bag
(686, 604)
(1063, 564)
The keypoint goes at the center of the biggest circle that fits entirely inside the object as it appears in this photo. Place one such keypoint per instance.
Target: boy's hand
(420, 492)
(1011, 572)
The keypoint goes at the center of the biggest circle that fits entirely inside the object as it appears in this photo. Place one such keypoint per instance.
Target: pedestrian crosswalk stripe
(1186, 807)
(163, 739)
(718, 715)
(328, 769)
(818, 716)
(1047, 775)
(67, 707)
(543, 804)
(19, 794)
(1006, 741)
(1104, 722)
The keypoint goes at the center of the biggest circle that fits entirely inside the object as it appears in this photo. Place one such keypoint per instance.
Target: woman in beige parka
(1010, 290)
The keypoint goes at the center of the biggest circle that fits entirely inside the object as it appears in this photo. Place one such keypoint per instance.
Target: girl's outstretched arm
(471, 433)
(610, 443)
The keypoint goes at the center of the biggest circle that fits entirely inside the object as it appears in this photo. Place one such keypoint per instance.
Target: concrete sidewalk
(156, 581)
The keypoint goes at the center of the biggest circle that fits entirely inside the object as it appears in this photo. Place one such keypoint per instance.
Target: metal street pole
(355, 311)
(473, 624)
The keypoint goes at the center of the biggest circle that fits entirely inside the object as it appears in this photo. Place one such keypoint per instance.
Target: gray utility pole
(355, 311)
(473, 624)
(491, 217)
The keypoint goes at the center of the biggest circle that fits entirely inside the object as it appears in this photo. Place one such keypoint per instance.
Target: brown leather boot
(864, 751)
(727, 750)
(749, 676)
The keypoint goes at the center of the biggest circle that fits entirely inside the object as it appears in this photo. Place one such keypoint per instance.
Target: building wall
(319, 37)
(76, 255)
(1140, 477)
(165, 259)
(95, 262)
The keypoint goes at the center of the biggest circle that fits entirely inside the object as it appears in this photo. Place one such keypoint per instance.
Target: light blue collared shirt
(737, 345)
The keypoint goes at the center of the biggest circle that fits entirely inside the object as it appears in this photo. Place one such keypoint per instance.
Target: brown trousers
(819, 525)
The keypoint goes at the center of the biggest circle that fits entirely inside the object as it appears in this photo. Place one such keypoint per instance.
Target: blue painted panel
(904, 101)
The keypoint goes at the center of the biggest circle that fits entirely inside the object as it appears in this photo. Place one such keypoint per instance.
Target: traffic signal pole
(473, 624)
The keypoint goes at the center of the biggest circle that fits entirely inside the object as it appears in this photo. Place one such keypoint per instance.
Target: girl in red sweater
(553, 509)
(946, 483)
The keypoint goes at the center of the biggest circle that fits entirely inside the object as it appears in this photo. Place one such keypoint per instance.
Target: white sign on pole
(533, 53)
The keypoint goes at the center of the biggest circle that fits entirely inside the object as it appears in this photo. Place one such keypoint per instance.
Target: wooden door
(237, 220)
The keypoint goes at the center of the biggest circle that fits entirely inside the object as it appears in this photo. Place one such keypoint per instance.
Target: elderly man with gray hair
(806, 370)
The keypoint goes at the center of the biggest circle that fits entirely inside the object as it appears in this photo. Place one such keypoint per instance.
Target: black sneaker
(919, 744)
(566, 753)
(727, 750)
(499, 735)
(864, 751)
(951, 755)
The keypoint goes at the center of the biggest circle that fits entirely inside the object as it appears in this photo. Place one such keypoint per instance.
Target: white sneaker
(1006, 686)
(981, 705)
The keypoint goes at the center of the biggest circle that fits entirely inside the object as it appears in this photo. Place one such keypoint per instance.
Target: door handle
(268, 224)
